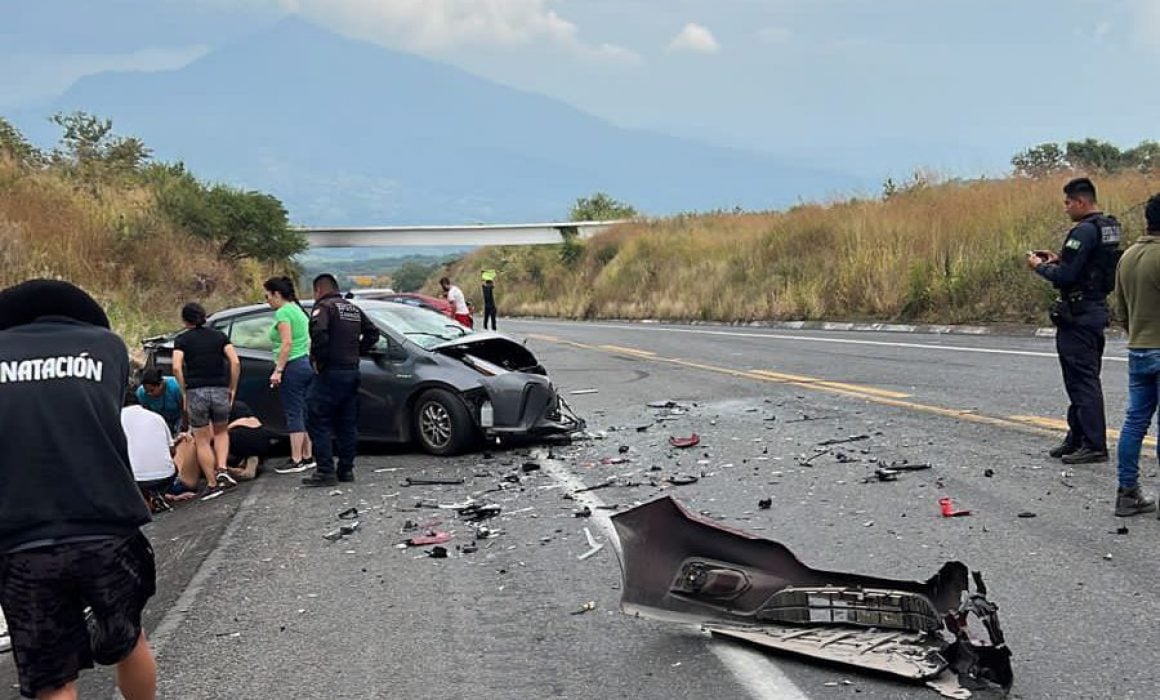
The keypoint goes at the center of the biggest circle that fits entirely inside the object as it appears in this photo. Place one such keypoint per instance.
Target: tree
(1043, 160)
(600, 207)
(253, 225)
(244, 224)
(1144, 157)
(13, 145)
(1094, 156)
(89, 148)
(411, 276)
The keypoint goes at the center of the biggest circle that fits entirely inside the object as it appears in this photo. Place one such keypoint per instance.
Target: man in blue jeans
(1137, 303)
(339, 334)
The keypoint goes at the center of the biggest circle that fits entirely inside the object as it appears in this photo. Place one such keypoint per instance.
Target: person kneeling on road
(250, 443)
(154, 454)
(339, 333)
(70, 511)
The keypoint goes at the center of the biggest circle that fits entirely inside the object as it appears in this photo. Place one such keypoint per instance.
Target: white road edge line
(812, 339)
(754, 671)
(184, 604)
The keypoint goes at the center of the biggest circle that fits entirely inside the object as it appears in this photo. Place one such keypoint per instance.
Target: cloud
(695, 38)
(433, 26)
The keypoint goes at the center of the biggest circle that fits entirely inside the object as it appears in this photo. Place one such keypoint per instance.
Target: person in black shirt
(70, 511)
(250, 442)
(200, 358)
(339, 333)
(489, 310)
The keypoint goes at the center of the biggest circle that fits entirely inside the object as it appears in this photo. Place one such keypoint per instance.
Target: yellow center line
(859, 388)
(548, 338)
(1037, 427)
(627, 351)
(1061, 425)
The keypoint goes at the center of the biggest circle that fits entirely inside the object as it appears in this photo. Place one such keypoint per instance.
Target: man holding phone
(1084, 273)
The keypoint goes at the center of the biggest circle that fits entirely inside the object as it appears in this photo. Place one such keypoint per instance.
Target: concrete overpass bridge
(463, 235)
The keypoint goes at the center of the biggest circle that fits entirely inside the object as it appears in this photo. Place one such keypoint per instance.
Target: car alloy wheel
(435, 423)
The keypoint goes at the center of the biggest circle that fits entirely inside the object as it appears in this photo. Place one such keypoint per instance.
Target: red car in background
(423, 301)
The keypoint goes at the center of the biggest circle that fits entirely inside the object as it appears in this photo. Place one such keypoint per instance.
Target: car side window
(253, 332)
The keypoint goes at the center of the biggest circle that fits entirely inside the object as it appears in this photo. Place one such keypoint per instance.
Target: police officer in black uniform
(1084, 273)
(339, 333)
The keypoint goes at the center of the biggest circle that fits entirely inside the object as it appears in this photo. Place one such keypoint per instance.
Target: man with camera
(1084, 273)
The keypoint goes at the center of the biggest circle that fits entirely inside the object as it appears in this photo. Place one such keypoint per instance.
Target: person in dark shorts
(200, 359)
(70, 512)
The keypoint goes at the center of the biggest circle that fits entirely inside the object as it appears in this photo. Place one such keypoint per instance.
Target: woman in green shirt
(292, 375)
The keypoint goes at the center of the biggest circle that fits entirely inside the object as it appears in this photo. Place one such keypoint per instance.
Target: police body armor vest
(1100, 276)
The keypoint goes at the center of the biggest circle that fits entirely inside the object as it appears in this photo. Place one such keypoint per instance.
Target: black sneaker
(346, 475)
(1064, 448)
(319, 479)
(1131, 502)
(1086, 455)
(292, 467)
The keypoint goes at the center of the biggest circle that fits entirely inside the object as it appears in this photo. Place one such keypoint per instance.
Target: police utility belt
(1061, 312)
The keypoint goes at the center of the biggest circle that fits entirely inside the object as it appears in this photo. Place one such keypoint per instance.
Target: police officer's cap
(30, 300)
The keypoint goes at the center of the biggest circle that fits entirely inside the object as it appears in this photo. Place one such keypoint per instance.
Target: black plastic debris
(682, 479)
(349, 514)
(842, 441)
(530, 467)
(623, 449)
(989, 473)
(437, 553)
(469, 548)
(1027, 514)
(512, 478)
(479, 512)
(662, 404)
(341, 532)
(1122, 530)
(432, 481)
(584, 512)
(765, 503)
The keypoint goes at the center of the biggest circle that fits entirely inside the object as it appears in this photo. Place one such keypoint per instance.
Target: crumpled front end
(524, 404)
(680, 567)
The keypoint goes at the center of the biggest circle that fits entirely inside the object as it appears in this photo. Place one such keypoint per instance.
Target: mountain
(347, 132)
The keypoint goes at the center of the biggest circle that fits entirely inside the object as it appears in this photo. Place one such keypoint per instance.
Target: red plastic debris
(428, 539)
(948, 509)
(691, 441)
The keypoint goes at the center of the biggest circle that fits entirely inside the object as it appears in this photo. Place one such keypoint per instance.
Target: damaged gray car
(429, 380)
(681, 567)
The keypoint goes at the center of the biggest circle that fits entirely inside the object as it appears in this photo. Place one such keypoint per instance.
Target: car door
(387, 375)
(250, 335)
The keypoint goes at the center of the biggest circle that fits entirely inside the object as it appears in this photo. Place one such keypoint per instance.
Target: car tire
(443, 424)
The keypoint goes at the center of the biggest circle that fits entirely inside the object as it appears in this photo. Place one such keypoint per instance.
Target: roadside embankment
(950, 253)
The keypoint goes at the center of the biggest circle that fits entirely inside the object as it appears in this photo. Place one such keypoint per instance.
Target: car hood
(494, 348)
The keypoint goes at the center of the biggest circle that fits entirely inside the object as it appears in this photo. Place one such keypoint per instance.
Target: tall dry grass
(943, 253)
(111, 241)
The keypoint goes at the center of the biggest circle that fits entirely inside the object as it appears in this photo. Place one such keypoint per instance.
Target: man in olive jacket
(1137, 306)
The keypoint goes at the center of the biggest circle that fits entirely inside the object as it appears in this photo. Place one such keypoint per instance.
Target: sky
(872, 88)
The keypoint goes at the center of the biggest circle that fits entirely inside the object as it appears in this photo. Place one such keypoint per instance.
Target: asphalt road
(254, 602)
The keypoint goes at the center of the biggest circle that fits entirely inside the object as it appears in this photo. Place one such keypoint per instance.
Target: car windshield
(420, 326)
